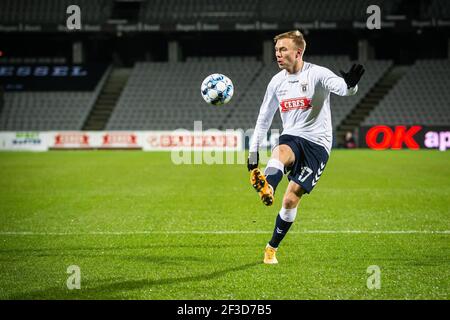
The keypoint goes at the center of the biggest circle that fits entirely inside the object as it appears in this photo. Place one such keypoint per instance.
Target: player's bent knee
(284, 154)
(287, 154)
(290, 200)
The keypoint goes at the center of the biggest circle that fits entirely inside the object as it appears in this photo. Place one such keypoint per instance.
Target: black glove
(252, 161)
(353, 76)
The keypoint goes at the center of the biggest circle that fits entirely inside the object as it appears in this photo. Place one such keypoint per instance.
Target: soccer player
(301, 91)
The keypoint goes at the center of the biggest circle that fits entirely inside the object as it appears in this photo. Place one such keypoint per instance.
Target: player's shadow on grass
(140, 284)
(113, 290)
(165, 260)
(147, 259)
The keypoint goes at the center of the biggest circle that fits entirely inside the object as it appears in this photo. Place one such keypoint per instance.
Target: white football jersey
(303, 99)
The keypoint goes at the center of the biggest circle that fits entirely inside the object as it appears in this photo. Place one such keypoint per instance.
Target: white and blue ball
(217, 89)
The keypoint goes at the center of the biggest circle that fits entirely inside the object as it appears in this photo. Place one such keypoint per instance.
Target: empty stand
(436, 9)
(420, 97)
(53, 11)
(324, 10)
(165, 96)
(176, 11)
(259, 10)
(199, 10)
(46, 111)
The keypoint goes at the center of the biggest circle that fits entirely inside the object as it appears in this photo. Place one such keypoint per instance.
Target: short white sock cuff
(288, 215)
(274, 163)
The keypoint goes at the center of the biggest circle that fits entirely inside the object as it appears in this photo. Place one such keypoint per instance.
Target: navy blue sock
(273, 177)
(281, 228)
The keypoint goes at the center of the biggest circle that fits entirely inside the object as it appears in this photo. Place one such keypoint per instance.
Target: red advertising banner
(192, 140)
(68, 140)
(95, 140)
(415, 137)
(119, 139)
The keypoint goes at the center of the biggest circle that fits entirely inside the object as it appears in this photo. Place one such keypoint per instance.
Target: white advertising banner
(24, 141)
(208, 140)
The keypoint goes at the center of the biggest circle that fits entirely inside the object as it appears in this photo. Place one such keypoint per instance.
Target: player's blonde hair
(295, 35)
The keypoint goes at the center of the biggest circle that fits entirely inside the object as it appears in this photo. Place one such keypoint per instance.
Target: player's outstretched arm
(267, 111)
(353, 76)
(346, 85)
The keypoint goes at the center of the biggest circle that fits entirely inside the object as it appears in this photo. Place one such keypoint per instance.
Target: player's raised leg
(284, 220)
(282, 156)
(266, 184)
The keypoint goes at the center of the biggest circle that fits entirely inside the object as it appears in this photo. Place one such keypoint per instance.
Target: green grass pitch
(140, 227)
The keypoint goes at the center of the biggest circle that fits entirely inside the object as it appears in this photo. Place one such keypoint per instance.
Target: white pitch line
(120, 233)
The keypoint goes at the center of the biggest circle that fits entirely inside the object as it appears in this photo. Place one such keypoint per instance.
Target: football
(217, 89)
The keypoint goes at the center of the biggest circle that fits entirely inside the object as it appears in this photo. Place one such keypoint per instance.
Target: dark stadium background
(413, 39)
(141, 227)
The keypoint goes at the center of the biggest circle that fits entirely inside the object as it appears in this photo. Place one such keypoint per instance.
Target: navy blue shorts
(310, 161)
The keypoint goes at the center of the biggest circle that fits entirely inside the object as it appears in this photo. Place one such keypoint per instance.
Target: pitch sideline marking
(120, 233)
